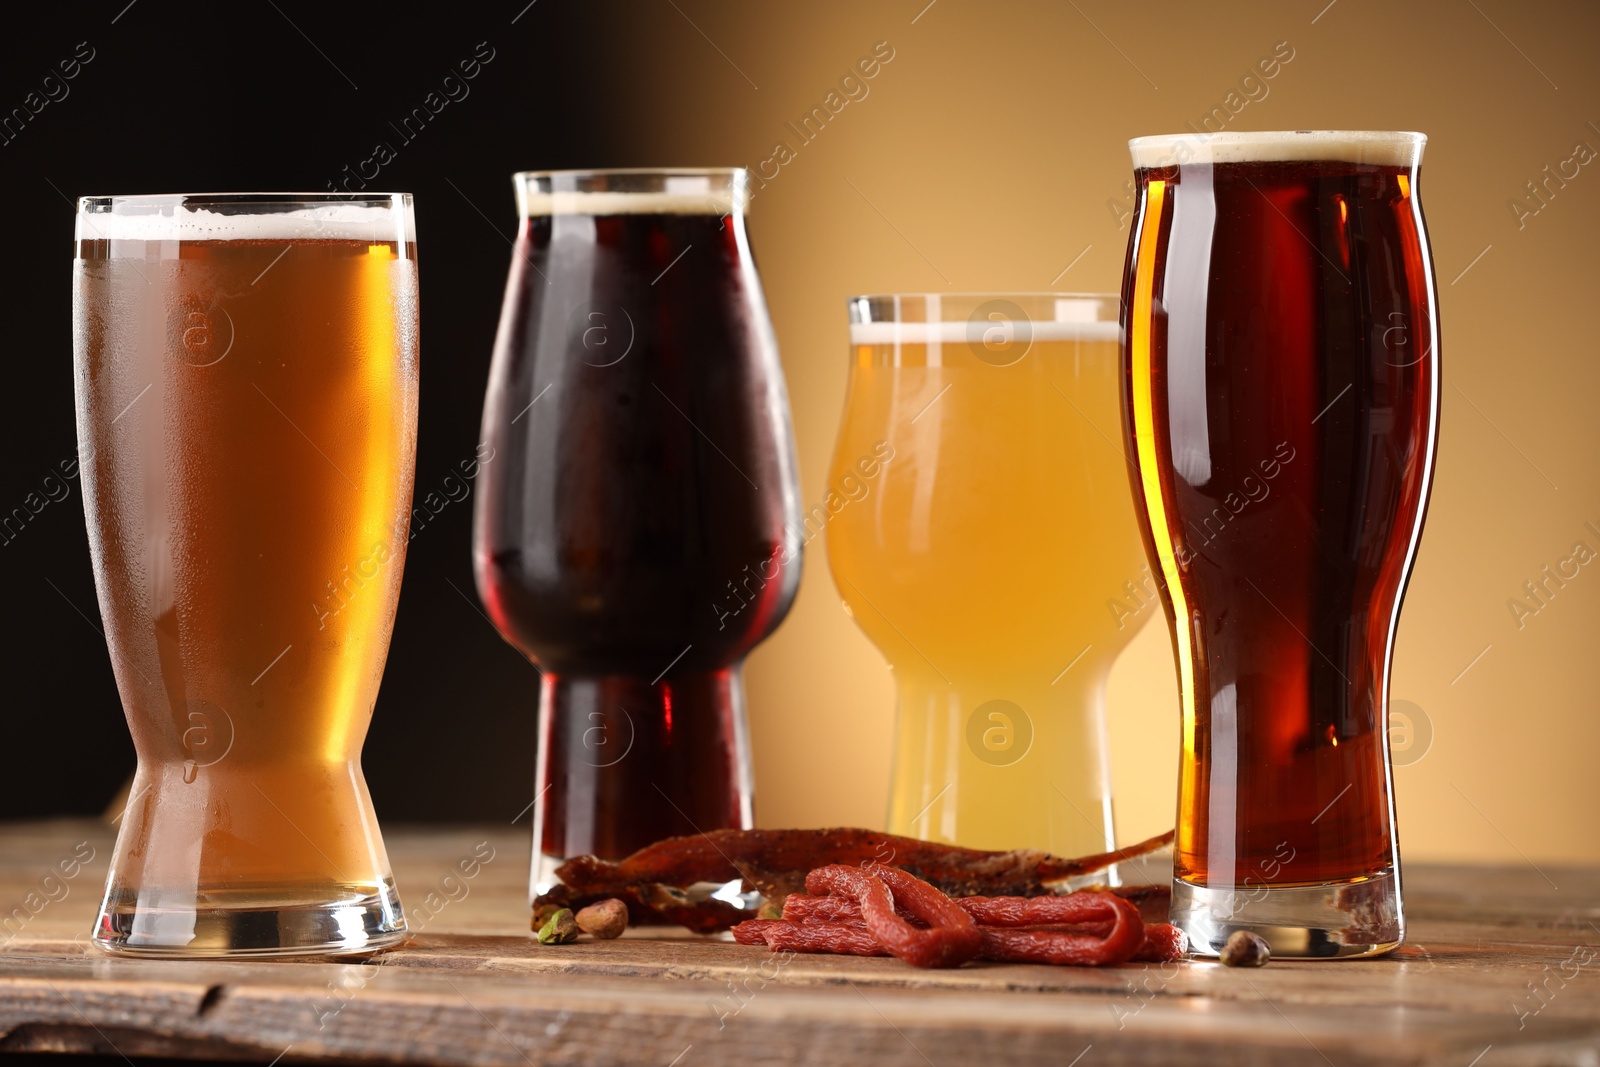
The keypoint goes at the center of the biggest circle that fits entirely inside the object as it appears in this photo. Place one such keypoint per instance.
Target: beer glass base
(543, 878)
(1343, 919)
(254, 924)
(728, 891)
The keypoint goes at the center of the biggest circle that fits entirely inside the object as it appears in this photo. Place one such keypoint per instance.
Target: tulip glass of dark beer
(1281, 406)
(638, 528)
(246, 372)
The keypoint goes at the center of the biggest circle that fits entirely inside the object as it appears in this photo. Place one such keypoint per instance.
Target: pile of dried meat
(863, 893)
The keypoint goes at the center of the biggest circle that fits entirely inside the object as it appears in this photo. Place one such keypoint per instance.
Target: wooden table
(1503, 967)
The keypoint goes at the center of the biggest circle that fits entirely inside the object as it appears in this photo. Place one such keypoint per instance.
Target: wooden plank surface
(1502, 967)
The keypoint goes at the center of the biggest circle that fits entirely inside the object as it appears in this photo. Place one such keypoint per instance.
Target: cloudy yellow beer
(246, 412)
(995, 563)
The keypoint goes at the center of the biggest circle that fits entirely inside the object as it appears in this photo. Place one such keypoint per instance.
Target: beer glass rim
(279, 200)
(246, 216)
(632, 191)
(1036, 306)
(1030, 294)
(1376, 147)
(900, 318)
(603, 172)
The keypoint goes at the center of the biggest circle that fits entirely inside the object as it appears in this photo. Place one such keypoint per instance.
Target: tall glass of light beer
(1282, 408)
(980, 532)
(246, 373)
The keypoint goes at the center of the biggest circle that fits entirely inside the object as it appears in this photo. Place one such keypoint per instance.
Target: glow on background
(988, 154)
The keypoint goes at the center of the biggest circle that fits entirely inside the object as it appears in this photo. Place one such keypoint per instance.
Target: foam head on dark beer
(702, 193)
(1383, 148)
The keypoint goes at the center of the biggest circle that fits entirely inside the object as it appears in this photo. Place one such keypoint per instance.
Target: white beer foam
(1384, 148)
(922, 333)
(700, 202)
(172, 221)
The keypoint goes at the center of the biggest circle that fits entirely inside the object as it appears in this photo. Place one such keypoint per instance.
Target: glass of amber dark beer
(1281, 388)
(246, 372)
(638, 531)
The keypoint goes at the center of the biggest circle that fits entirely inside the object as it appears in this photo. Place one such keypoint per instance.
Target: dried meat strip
(1081, 914)
(803, 908)
(950, 938)
(1153, 903)
(1086, 929)
(1055, 869)
(778, 860)
(1042, 945)
(1081, 907)
(844, 939)
(1163, 943)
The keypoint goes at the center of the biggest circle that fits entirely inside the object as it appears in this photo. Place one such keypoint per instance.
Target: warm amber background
(991, 145)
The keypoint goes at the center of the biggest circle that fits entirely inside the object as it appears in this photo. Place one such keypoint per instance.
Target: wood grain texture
(1499, 959)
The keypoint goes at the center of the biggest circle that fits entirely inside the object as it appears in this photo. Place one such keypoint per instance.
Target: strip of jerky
(1040, 945)
(1153, 901)
(1162, 941)
(662, 905)
(777, 861)
(840, 939)
(945, 936)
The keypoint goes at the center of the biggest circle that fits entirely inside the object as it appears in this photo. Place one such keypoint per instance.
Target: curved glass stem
(625, 762)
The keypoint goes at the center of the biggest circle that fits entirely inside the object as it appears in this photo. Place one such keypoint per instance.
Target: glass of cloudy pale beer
(637, 533)
(981, 534)
(1281, 356)
(246, 372)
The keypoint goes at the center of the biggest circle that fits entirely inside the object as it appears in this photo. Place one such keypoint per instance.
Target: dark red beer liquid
(1294, 403)
(634, 537)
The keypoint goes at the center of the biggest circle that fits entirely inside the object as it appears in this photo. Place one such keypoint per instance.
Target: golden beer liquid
(991, 560)
(248, 440)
